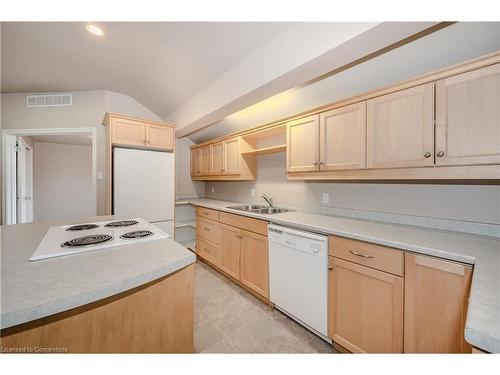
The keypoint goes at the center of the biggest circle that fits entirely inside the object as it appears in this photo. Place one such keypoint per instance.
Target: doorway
(48, 174)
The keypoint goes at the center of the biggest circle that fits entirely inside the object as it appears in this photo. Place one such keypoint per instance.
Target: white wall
(184, 186)
(456, 202)
(88, 110)
(62, 181)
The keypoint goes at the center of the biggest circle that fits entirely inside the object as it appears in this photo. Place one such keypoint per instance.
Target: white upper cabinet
(468, 118)
(400, 129)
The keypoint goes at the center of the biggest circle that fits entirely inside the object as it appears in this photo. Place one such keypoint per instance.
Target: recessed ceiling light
(96, 30)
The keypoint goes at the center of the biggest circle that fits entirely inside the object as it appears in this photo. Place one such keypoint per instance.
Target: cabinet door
(160, 136)
(400, 129)
(231, 152)
(230, 251)
(195, 162)
(468, 118)
(342, 139)
(128, 132)
(365, 308)
(302, 144)
(216, 158)
(205, 160)
(436, 293)
(255, 262)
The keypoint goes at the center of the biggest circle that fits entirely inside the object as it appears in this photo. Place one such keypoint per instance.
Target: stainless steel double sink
(259, 209)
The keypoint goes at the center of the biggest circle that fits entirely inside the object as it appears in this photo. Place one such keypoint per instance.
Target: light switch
(252, 193)
(100, 175)
(212, 189)
(325, 198)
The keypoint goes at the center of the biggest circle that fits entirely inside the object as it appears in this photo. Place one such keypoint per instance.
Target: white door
(24, 182)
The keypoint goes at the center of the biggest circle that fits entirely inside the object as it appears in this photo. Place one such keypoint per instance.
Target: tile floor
(228, 319)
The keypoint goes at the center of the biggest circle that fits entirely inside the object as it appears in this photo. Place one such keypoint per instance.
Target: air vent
(49, 100)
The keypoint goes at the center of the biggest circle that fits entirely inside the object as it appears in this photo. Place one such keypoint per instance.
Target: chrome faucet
(267, 199)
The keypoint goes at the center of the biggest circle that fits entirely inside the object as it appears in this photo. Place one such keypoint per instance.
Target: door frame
(9, 137)
(27, 156)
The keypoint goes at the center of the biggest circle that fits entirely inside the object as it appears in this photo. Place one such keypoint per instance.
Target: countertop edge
(14, 318)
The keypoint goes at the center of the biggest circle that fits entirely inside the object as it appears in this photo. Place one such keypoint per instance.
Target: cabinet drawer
(208, 229)
(207, 213)
(375, 256)
(243, 222)
(208, 251)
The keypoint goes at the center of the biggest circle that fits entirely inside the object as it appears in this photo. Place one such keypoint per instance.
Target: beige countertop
(33, 290)
(482, 327)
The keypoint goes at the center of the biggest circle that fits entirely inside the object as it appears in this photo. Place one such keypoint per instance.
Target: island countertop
(33, 290)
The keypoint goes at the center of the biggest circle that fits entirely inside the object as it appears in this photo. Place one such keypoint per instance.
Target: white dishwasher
(298, 276)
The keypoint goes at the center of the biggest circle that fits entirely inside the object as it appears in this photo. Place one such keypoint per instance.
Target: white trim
(8, 164)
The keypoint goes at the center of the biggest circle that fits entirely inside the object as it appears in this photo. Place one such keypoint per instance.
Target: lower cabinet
(436, 294)
(365, 308)
(254, 271)
(378, 304)
(241, 254)
(230, 250)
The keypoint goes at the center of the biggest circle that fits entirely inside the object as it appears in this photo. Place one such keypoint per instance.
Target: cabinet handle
(440, 154)
(206, 213)
(239, 236)
(315, 163)
(361, 255)
(321, 163)
(427, 155)
(330, 268)
(207, 229)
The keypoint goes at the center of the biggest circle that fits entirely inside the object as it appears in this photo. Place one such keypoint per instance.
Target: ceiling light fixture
(95, 30)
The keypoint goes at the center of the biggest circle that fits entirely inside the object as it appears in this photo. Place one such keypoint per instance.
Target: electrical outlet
(325, 198)
(252, 192)
(212, 189)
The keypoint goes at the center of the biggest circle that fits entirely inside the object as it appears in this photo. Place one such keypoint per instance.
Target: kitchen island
(135, 298)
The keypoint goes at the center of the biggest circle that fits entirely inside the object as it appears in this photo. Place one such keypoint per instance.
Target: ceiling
(83, 139)
(159, 64)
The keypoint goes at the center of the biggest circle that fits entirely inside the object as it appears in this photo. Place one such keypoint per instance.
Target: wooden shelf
(266, 150)
(265, 133)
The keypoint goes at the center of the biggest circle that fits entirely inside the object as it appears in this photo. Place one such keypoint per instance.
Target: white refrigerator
(143, 186)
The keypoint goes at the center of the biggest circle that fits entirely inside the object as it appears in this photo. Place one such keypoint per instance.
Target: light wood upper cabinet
(302, 142)
(216, 158)
(205, 160)
(128, 132)
(254, 271)
(160, 136)
(436, 293)
(231, 156)
(365, 308)
(195, 162)
(230, 250)
(342, 139)
(468, 118)
(400, 129)
(142, 133)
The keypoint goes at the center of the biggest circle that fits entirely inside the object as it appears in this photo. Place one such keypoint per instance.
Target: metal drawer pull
(330, 268)
(361, 255)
